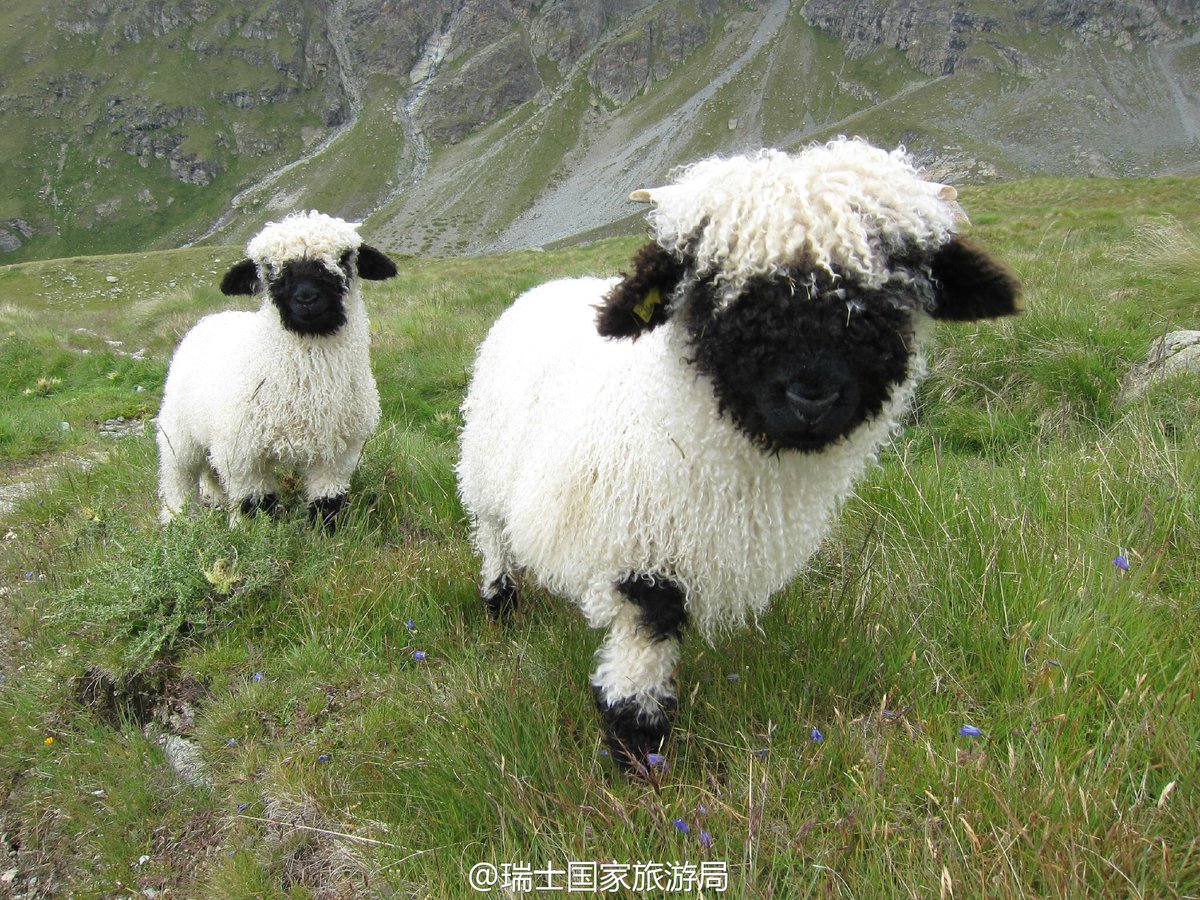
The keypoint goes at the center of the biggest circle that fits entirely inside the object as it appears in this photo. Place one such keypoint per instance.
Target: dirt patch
(314, 853)
(159, 696)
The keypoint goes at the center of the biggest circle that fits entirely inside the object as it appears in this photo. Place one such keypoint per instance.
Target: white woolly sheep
(670, 447)
(289, 384)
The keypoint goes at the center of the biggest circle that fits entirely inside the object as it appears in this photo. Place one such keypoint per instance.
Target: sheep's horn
(642, 195)
(946, 192)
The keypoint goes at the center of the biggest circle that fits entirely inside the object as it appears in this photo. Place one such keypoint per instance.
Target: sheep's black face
(310, 297)
(799, 363)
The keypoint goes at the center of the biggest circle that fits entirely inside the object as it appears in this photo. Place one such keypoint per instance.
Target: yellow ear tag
(645, 309)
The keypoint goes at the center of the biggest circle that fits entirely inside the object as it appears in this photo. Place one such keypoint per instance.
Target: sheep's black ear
(241, 280)
(374, 265)
(969, 285)
(638, 302)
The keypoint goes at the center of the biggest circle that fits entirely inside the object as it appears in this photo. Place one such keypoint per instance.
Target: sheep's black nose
(810, 403)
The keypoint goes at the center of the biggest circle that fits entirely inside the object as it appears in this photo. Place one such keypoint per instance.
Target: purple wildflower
(657, 760)
(706, 840)
(701, 809)
(816, 735)
(410, 624)
(682, 826)
(324, 757)
(232, 742)
(418, 655)
(1122, 562)
(242, 807)
(257, 676)
(732, 676)
(970, 731)
(762, 752)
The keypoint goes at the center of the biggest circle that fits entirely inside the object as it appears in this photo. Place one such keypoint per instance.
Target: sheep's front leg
(326, 485)
(634, 681)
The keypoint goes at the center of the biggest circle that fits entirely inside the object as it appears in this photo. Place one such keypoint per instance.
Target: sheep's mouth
(805, 437)
(310, 321)
(803, 442)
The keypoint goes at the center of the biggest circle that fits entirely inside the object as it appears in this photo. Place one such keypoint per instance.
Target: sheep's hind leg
(499, 584)
(178, 467)
(634, 681)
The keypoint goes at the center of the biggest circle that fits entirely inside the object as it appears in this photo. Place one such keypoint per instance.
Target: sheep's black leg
(664, 613)
(633, 732)
(268, 503)
(500, 597)
(634, 681)
(325, 510)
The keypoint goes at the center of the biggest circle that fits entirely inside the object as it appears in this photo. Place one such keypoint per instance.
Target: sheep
(669, 448)
(289, 384)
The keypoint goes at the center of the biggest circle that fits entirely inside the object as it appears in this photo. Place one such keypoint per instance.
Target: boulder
(1172, 354)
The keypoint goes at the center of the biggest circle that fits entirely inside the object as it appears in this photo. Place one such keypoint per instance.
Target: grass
(971, 581)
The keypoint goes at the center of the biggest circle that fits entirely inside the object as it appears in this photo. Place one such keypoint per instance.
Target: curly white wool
(845, 205)
(304, 235)
(627, 465)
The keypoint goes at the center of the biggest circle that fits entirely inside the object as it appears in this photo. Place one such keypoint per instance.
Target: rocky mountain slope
(456, 126)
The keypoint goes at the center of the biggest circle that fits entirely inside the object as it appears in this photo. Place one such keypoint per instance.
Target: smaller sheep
(288, 385)
(670, 448)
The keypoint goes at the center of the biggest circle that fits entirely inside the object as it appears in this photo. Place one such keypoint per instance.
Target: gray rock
(121, 427)
(183, 756)
(481, 90)
(622, 69)
(1172, 354)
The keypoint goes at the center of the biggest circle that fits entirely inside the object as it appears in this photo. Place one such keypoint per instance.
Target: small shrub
(142, 601)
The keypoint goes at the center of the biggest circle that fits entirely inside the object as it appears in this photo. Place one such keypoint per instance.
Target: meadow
(985, 685)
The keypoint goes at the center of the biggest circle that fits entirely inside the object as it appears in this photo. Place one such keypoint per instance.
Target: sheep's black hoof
(267, 503)
(325, 510)
(635, 737)
(501, 598)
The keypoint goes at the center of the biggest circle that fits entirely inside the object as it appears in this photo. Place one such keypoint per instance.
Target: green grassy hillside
(149, 126)
(131, 126)
(362, 729)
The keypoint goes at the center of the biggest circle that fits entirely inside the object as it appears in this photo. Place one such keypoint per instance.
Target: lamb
(287, 385)
(669, 448)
